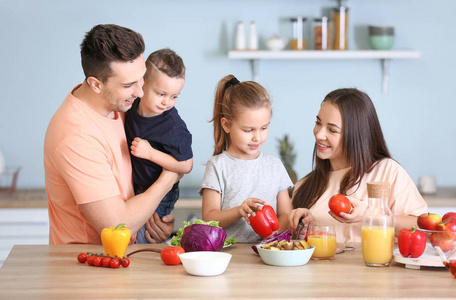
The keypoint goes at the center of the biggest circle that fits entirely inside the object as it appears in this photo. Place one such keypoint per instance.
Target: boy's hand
(141, 148)
(245, 209)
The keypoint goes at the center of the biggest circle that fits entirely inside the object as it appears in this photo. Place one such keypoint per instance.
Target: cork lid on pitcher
(378, 189)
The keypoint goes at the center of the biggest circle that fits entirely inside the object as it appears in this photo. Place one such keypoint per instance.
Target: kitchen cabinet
(385, 57)
(443, 201)
(22, 226)
(24, 217)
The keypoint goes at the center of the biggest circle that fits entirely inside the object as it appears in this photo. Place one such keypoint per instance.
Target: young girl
(238, 176)
(350, 151)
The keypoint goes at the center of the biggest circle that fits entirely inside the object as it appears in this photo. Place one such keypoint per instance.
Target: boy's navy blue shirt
(166, 132)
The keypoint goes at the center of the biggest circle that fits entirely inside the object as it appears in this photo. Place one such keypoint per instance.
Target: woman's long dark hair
(363, 145)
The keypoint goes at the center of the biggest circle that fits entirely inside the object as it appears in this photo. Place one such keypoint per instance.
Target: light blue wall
(40, 64)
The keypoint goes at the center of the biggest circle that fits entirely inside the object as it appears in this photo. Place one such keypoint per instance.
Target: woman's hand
(246, 207)
(298, 213)
(356, 214)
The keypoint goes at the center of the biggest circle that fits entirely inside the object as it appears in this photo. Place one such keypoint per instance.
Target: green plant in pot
(288, 156)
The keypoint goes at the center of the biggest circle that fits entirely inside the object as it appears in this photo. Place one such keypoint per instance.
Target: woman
(350, 151)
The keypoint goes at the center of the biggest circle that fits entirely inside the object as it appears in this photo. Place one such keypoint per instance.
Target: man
(86, 157)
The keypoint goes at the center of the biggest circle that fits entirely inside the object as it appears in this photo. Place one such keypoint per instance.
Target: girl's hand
(141, 148)
(356, 214)
(245, 209)
(296, 214)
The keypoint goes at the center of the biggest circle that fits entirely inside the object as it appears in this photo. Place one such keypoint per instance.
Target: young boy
(157, 135)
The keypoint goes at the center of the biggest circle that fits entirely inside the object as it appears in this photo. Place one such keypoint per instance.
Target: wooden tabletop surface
(52, 272)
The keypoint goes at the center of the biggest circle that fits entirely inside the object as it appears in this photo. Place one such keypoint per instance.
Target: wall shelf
(384, 56)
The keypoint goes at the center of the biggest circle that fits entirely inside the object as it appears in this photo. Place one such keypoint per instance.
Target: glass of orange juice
(323, 237)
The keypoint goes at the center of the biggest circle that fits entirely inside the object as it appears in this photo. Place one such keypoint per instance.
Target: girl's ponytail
(221, 138)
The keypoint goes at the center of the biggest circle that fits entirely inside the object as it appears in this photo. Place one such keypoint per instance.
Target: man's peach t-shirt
(405, 198)
(86, 159)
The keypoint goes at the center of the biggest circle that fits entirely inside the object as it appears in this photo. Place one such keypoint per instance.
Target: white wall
(40, 64)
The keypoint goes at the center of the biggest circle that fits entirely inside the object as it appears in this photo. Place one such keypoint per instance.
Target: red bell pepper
(411, 242)
(265, 221)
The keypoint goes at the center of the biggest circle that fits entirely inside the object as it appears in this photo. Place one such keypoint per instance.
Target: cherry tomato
(170, 255)
(82, 257)
(126, 262)
(339, 203)
(90, 260)
(114, 263)
(97, 261)
(105, 261)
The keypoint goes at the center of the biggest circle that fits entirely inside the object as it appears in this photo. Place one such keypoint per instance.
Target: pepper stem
(121, 225)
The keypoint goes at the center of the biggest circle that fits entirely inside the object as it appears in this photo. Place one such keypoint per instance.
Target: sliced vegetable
(284, 235)
(265, 221)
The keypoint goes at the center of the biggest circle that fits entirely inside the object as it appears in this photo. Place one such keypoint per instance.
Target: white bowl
(205, 263)
(276, 43)
(286, 258)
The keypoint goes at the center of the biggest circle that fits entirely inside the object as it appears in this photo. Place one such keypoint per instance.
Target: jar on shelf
(377, 229)
(321, 34)
(298, 42)
(340, 23)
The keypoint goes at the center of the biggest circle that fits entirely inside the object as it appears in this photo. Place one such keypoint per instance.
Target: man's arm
(135, 211)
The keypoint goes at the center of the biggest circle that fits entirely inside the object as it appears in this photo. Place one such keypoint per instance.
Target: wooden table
(52, 272)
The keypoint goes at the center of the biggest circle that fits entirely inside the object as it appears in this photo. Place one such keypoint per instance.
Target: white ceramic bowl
(205, 263)
(276, 43)
(286, 258)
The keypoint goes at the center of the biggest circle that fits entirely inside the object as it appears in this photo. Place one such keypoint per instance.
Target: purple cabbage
(200, 237)
(284, 235)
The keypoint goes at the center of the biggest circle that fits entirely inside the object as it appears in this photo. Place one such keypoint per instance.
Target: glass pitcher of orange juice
(377, 231)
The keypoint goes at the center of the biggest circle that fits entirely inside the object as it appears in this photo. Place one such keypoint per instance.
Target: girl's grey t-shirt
(237, 180)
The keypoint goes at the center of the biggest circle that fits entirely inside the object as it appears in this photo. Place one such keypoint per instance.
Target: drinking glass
(323, 237)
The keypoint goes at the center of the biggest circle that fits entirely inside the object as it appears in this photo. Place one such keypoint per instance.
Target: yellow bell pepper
(115, 240)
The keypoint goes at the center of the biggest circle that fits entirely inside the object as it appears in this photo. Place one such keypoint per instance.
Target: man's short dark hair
(108, 43)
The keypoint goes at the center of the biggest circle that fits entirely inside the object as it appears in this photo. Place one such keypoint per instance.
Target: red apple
(443, 239)
(428, 221)
(449, 215)
(447, 225)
